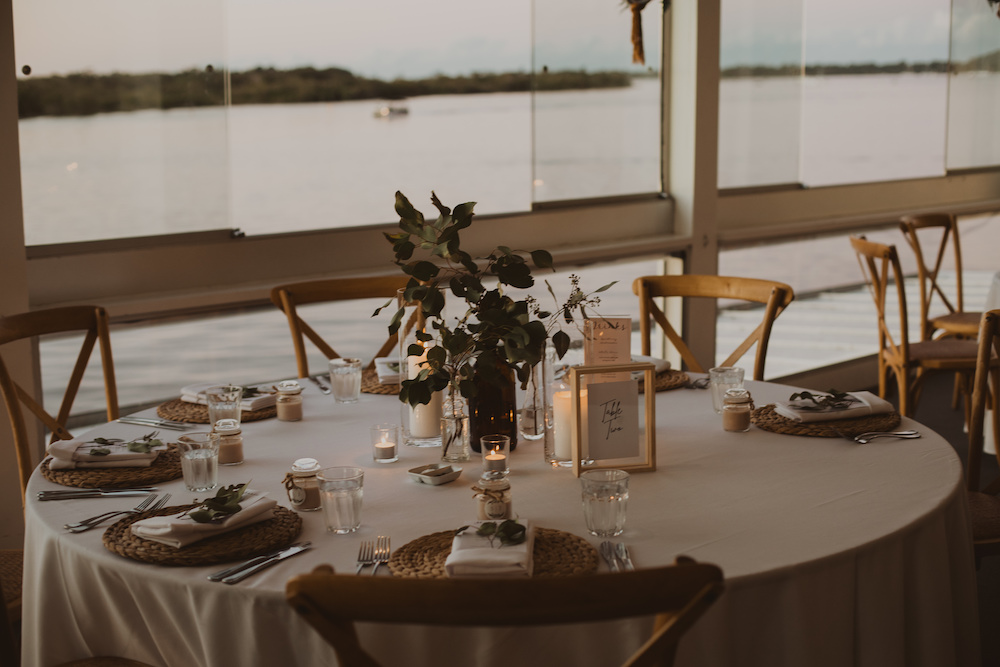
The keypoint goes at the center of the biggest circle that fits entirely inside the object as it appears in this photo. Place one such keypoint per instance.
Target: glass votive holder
(496, 453)
(385, 443)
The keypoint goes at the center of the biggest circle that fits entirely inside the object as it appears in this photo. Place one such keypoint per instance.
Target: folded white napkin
(474, 556)
(387, 369)
(866, 403)
(195, 393)
(660, 365)
(179, 530)
(76, 453)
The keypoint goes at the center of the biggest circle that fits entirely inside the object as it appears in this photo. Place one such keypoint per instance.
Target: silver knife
(250, 562)
(91, 493)
(624, 555)
(319, 383)
(159, 423)
(267, 562)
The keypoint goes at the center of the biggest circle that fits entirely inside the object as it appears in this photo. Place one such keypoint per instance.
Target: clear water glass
(199, 461)
(345, 379)
(224, 402)
(721, 379)
(341, 491)
(605, 501)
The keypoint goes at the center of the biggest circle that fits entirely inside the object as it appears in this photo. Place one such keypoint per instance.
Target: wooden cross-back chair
(773, 295)
(678, 595)
(908, 361)
(954, 321)
(92, 321)
(984, 504)
(290, 296)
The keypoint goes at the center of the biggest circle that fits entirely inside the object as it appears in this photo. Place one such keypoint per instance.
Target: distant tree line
(987, 63)
(86, 94)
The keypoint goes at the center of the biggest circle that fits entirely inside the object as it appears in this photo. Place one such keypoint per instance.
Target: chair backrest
(880, 265)
(985, 388)
(92, 321)
(928, 273)
(678, 594)
(288, 297)
(774, 295)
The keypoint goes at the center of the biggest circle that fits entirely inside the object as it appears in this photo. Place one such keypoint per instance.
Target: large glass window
(760, 92)
(121, 132)
(620, 116)
(273, 116)
(825, 93)
(974, 86)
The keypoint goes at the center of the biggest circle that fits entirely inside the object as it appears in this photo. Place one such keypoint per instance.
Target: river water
(288, 167)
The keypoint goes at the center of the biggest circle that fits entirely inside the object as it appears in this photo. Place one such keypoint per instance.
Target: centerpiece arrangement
(477, 354)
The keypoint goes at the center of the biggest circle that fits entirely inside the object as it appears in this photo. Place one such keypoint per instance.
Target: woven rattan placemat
(766, 418)
(556, 554)
(195, 413)
(165, 467)
(252, 540)
(371, 385)
(667, 380)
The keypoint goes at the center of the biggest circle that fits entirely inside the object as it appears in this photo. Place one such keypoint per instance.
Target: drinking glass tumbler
(340, 490)
(223, 402)
(605, 501)
(345, 379)
(722, 379)
(199, 461)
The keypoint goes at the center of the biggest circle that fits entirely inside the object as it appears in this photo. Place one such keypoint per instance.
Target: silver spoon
(864, 438)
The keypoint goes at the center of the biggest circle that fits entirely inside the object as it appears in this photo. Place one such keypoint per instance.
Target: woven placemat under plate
(371, 385)
(165, 467)
(241, 543)
(667, 380)
(556, 554)
(195, 413)
(767, 419)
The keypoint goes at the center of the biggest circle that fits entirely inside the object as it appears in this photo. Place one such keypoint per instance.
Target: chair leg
(902, 381)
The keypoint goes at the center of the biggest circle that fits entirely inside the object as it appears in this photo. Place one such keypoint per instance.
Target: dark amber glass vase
(493, 410)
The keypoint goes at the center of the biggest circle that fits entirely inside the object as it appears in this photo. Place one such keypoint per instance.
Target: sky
(410, 38)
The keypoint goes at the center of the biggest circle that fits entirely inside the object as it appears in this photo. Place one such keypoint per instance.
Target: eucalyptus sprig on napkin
(225, 503)
(509, 532)
(832, 400)
(143, 445)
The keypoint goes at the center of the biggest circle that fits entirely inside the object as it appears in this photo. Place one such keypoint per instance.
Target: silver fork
(366, 555)
(150, 503)
(382, 552)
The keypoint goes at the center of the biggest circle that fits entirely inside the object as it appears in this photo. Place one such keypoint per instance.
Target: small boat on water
(391, 112)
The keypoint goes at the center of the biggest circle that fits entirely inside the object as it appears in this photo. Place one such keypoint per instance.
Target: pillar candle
(425, 420)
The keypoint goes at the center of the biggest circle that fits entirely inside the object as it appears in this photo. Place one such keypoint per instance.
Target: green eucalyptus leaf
(99, 451)
(396, 321)
(424, 270)
(604, 288)
(560, 341)
(542, 259)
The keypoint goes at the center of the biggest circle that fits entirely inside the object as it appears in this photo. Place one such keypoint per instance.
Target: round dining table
(835, 554)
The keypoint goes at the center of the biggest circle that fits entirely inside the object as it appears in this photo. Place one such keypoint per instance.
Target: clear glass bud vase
(455, 430)
(534, 410)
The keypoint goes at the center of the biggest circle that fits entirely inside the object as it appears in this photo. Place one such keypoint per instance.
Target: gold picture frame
(643, 458)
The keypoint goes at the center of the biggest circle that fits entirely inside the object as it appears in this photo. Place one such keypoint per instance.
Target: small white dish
(435, 473)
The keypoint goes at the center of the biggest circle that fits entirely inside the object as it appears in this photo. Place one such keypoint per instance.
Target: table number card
(609, 430)
(607, 341)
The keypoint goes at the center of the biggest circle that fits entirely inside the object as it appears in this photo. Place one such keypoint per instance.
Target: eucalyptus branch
(495, 327)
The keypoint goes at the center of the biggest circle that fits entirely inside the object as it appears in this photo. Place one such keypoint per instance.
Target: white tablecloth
(835, 554)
